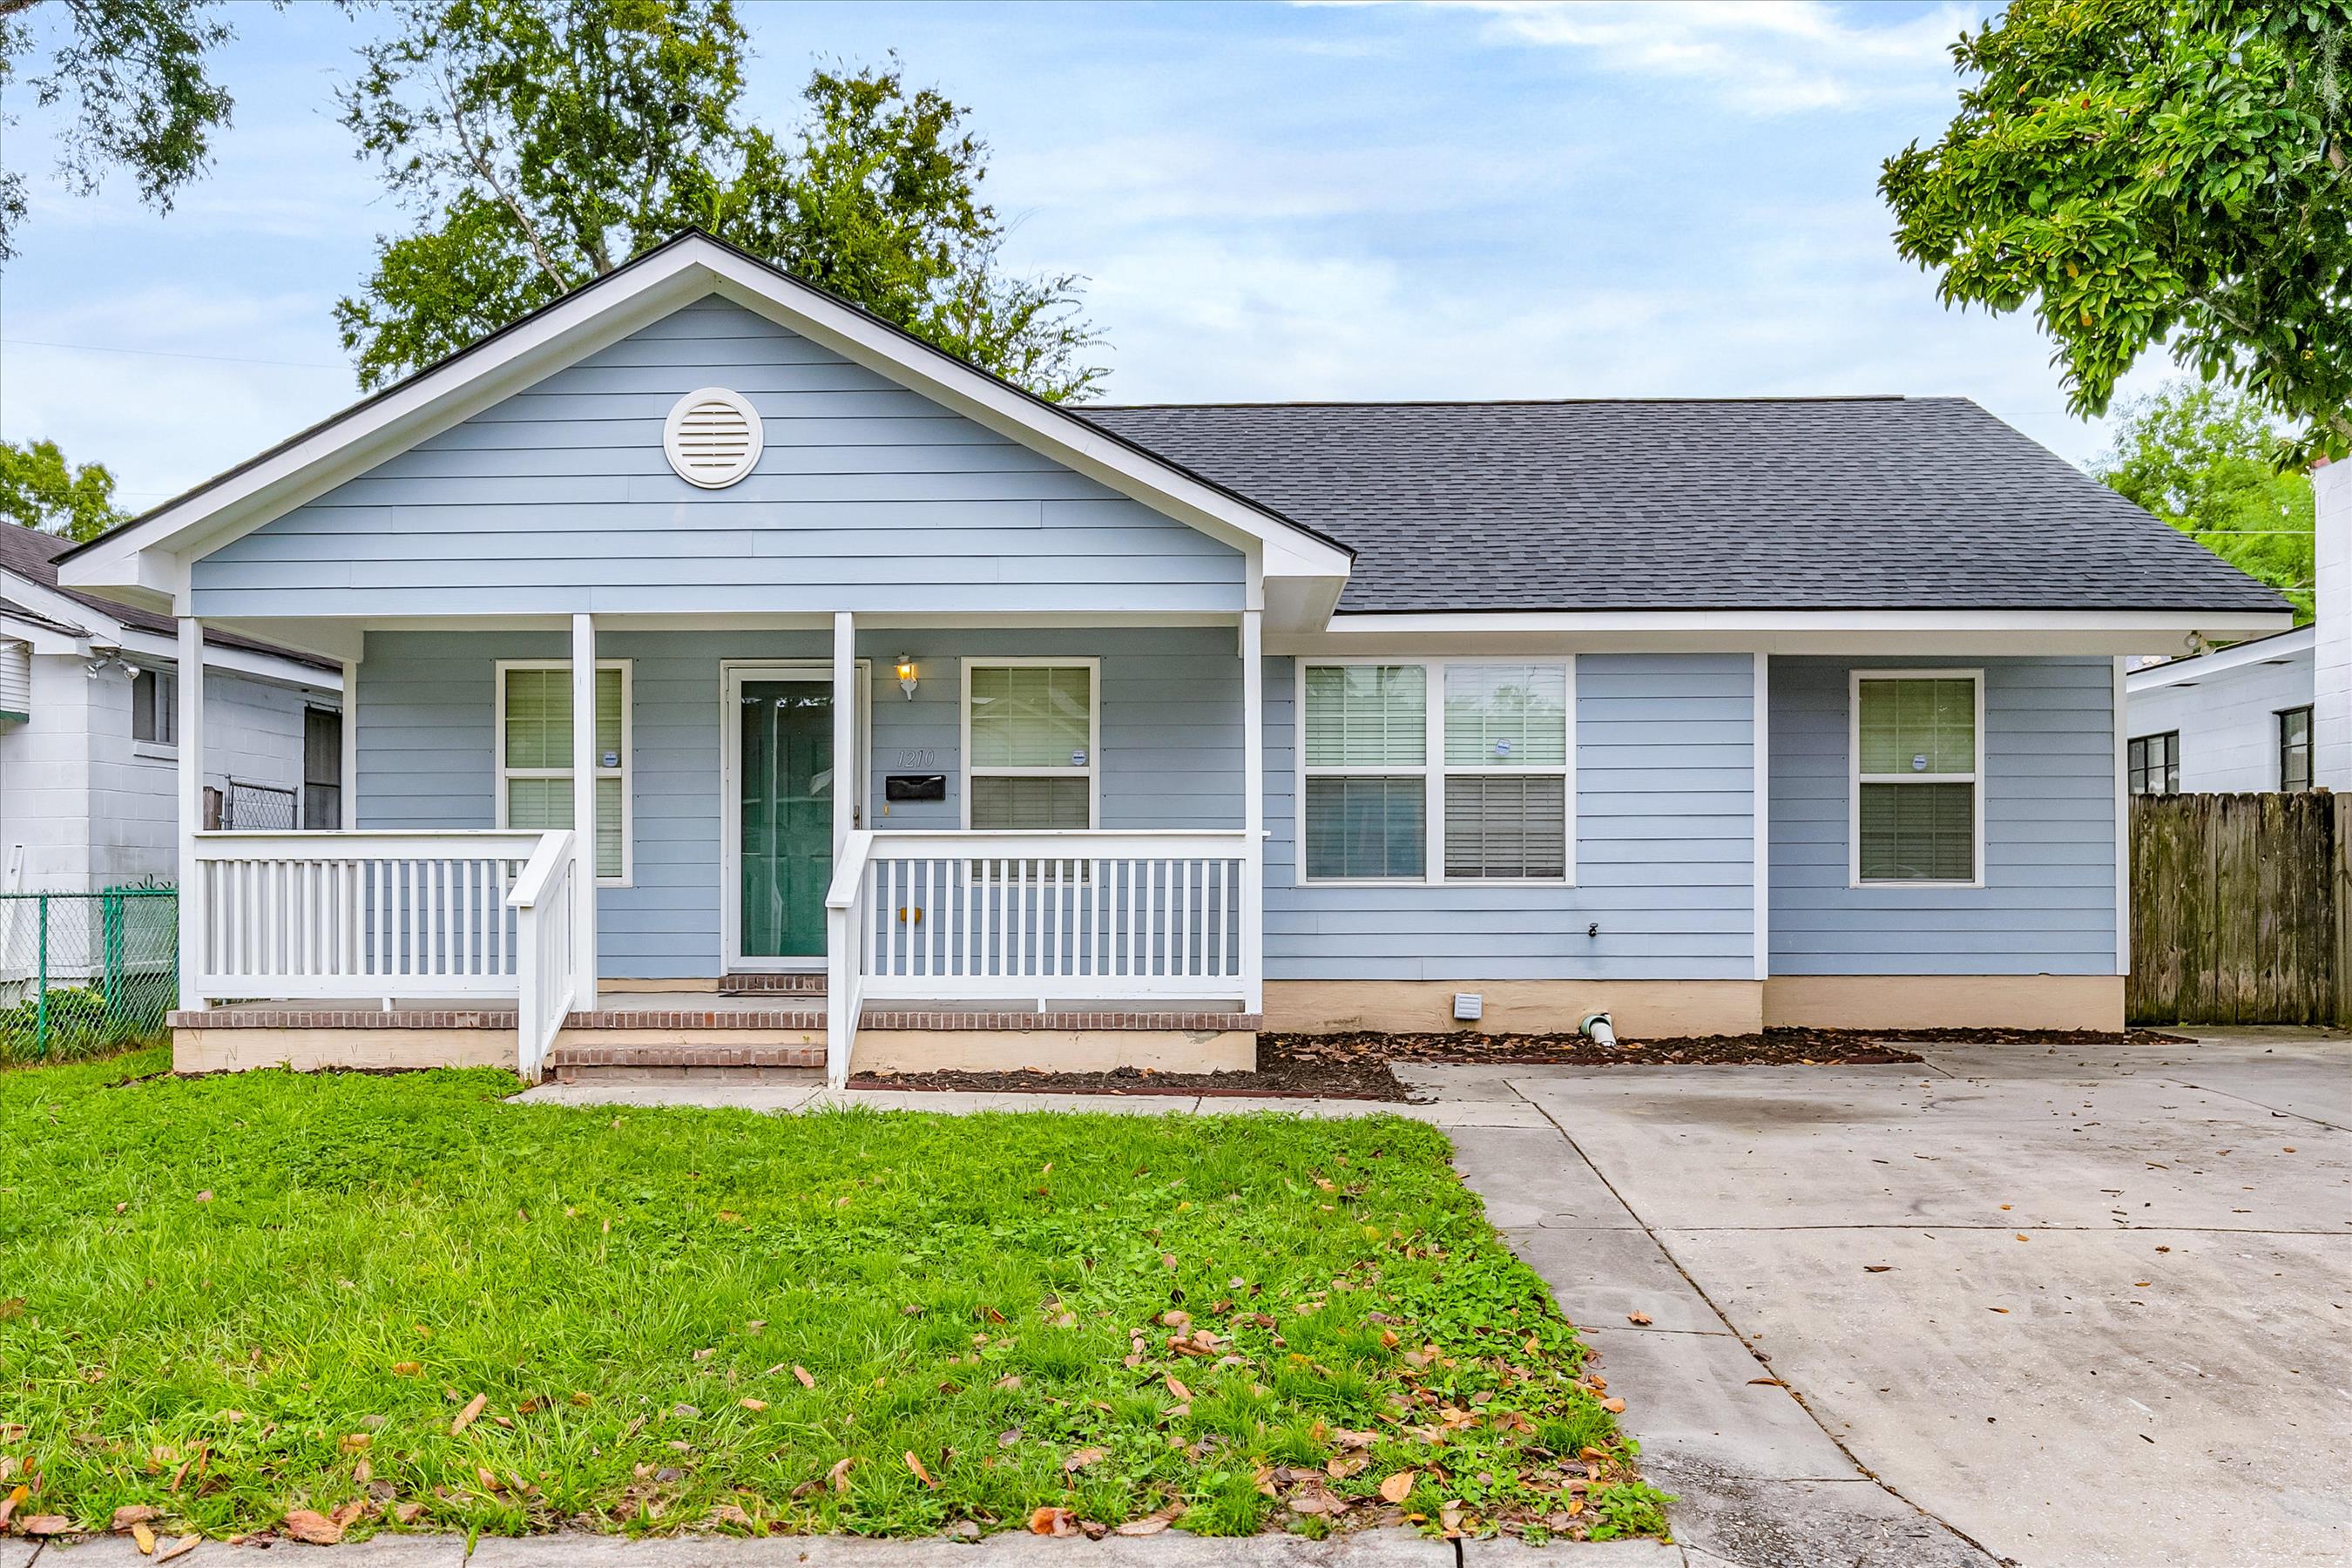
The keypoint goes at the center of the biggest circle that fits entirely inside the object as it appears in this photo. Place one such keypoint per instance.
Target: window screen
(1915, 779)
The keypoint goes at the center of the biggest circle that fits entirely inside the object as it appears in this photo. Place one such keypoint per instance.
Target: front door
(783, 781)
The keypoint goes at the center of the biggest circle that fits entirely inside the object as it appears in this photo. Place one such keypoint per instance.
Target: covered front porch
(870, 841)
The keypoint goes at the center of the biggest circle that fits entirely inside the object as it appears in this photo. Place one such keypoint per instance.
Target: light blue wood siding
(1665, 841)
(867, 496)
(1170, 747)
(2048, 903)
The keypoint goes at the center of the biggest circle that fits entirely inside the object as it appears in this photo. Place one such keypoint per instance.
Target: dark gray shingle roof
(33, 555)
(1812, 503)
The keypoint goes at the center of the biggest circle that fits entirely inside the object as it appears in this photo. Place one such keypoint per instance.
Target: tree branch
(484, 171)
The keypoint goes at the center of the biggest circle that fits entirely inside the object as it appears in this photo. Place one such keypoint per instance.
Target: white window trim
(1432, 769)
(156, 751)
(627, 769)
(1857, 778)
(1091, 773)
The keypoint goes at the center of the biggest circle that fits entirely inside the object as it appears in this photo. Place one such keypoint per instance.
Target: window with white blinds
(1918, 769)
(1452, 770)
(1029, 743)
(535, 779)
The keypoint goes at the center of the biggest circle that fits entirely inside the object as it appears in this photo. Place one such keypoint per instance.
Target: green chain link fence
(83, 973)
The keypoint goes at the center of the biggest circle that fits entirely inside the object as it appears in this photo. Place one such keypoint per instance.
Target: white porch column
(348, 818)
(195, 960)
(846, 780)
(1253, 811)
(583, 810)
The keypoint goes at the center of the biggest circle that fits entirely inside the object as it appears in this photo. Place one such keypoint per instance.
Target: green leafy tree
(40, 490)
(143, 99)
(543, 142)
(2154, 172)
(2205, 460)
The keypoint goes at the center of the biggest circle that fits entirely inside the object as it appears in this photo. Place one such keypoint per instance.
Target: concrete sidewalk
(1173, 1549)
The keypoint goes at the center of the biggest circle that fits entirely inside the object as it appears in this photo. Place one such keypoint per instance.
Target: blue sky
(1316, 201)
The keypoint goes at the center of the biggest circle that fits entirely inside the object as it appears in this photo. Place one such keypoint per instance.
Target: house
(89, 731)
(929, 724)
(2271, 713)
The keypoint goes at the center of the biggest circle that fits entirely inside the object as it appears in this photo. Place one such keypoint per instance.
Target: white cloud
(1760, 57)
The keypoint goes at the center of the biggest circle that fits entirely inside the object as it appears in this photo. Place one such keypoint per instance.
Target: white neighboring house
(2272, 714)
(87, 733)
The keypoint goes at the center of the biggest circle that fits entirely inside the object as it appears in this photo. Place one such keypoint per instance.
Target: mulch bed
(1356, 1065)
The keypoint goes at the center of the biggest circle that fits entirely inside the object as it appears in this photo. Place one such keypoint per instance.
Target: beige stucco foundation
(1640, 1009)
(1055, 1050)
(1893, 1003)
(313, 1050)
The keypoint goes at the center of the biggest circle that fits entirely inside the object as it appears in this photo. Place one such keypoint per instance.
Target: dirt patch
(1356, 1065)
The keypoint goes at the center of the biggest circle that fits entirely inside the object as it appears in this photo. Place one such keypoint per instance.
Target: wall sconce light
(907, 676)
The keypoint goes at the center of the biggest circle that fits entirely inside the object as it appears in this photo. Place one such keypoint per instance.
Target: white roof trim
(96, 627)
(2298, 643)
(145, 561)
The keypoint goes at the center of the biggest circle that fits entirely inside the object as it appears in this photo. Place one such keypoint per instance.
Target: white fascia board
(46, 602)
(2296, 643)
(2089, 632)
(146, 563)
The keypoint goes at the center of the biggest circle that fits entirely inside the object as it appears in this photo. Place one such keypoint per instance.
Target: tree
(543, 142)
(2154, 172)
(40, 490)
(142, 99)
(2206, 462)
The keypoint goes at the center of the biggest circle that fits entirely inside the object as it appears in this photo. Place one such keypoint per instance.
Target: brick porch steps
(763, 984)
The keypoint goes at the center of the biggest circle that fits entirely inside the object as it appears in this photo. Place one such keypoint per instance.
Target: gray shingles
(1826, 503)
(31, 555)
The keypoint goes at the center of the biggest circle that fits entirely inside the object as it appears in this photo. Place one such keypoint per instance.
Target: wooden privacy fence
(2242, 909)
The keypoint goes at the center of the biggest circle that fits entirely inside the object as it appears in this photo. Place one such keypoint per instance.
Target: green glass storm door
(787, 815)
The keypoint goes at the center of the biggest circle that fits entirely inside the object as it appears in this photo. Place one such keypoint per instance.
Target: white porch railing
(377, 916)
(1041, 918)
(543, 904)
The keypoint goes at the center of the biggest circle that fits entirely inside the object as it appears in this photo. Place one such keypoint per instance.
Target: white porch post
(844, 731)
(195, 960)
(584, 811)
(348, 818)
(1253, 811)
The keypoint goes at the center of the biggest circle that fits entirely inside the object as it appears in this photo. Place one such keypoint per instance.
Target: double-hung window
(2155, 763)
(2294, 749)
(1436, 770)
(155, 707)
(1029, 749)
(1918, 776)
(535, 779)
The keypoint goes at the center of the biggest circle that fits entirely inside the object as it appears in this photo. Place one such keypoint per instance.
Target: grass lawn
(399, 1303)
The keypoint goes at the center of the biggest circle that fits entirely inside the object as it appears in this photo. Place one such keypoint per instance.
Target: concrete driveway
(2028, 1304)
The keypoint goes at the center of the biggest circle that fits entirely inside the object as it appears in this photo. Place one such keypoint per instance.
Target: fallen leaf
(1050, 1521)
(837, 1477)
(9, 1504)
(352, 1442)
(133, 1513)
(754, 1404)
(474, 1407)
(916, 1465)
(807, 1379)
(1150, 1524)
(406, 1368)
(316, 1528)
(47, 1524)
(1877, 1268)
(206, 1196)
(144, 1537)
(1638, 1320)
(1398, 1486)
(179, 1548)
(1080, 1459)
(407, 1512)
(1177, 1389)
(1614, 1406)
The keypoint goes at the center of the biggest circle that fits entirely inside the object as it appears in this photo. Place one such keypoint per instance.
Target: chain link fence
(85, 973)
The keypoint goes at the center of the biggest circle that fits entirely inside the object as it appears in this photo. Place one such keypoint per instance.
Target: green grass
(233, 1296)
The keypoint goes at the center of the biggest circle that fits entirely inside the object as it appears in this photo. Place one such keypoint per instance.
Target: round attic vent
(712, 438)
